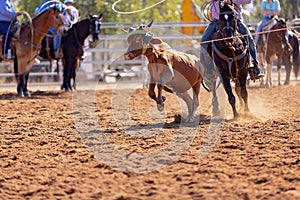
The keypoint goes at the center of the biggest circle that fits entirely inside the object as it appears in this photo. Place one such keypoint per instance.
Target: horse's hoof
(20, 94)
(27, 94)
(236, 116)
(189, 120)
(216, 112)
(160, 107)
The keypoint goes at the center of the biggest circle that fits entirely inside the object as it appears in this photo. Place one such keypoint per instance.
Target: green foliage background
(168, 11)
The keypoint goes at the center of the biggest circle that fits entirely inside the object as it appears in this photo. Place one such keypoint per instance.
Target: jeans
(56, 39)
(260, 26)
(7, 35)
(206, 36)
(243, 29)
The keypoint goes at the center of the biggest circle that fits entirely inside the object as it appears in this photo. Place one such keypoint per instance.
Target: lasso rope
(136, 11)
(257, 33)
(31, 28)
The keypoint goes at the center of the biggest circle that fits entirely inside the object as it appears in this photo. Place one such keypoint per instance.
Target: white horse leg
(279, 75)
(269, 75)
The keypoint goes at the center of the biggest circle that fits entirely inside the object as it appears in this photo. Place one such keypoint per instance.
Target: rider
(71, 16)
(269, 8)
(213, 27)
(7, 16)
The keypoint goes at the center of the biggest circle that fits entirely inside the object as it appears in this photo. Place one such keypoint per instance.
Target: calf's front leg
(160, 99)
(151, 91)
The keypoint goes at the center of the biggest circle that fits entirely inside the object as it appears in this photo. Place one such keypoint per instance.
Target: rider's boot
(8, 55)
(254, 71)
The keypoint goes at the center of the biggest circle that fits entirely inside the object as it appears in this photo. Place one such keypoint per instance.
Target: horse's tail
(295, 45)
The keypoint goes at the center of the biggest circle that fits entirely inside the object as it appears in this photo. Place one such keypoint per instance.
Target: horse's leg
(231, 97)
(243, 90)
(25, 90)
(210, 79)
(19, 79)
(214, 100)
(269, 74)
(279, 61)
(56, 77)
(238, 92)
(74, 71)
(263, 68)
(288, 69)
(66, 75)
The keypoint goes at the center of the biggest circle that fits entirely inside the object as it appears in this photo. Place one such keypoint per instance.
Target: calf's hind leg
(192, 103)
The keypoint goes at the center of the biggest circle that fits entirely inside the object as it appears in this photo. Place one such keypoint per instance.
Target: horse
(280, 42)
(26, 45)
(169, 69)
(72, 45)
(230, 58)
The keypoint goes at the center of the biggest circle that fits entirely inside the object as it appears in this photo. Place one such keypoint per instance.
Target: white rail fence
(105, 62)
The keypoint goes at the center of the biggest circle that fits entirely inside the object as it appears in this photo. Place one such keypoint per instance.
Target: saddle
(269, 24)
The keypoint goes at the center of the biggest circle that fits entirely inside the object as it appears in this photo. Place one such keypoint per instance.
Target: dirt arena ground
(57, 145)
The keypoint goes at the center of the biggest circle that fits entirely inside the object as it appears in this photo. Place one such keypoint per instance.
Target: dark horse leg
(22, 80)
(231, 97)
(241, 90)
(25, 90)
(74, 72)
(288, 68)
(67, 74)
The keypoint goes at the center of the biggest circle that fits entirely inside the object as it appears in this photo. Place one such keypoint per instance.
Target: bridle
(94, 27)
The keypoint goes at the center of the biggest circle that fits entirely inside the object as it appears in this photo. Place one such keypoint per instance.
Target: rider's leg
(255, 72)
(56, 43)
(207, 36)
(6, 39)
(57, 47)
(260, 27)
